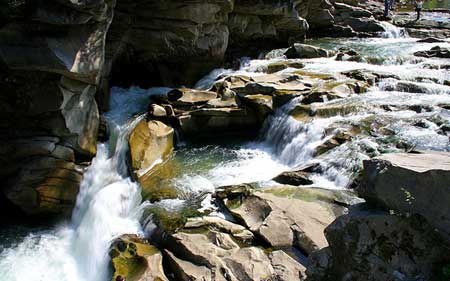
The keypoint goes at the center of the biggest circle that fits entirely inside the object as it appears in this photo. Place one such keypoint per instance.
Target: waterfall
(392, 31)
(108, 205)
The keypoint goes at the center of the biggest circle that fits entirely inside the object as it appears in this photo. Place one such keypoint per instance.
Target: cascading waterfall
(392, 31)
(108, 205)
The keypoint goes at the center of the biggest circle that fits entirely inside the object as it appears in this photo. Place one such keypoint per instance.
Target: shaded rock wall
(51, 55)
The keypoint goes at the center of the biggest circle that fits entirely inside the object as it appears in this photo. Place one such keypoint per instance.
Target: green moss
(128, 258)
(278, 66)
(171, 221)
(233, 203)
(305, 194)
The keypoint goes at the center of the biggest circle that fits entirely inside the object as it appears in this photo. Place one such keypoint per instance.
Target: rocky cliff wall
(58, 59)
(51, 55)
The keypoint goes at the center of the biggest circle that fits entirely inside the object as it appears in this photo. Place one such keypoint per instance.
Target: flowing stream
(389, 117)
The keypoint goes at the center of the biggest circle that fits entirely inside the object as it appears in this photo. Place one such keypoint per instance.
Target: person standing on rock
(419, 5)
(386, 7)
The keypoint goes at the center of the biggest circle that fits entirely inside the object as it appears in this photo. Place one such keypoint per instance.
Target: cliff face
(58, 59)
(51, 55)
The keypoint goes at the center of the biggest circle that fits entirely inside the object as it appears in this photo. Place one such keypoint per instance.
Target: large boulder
(302, 51)
(151, 143)
(378, 246)
(411, 183)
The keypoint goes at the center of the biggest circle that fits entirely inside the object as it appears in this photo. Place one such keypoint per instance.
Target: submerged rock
(430, 40)
(435, 52)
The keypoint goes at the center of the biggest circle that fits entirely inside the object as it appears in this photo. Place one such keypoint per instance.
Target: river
(110, 204)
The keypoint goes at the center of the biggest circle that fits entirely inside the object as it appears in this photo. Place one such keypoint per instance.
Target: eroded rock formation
(51, 57)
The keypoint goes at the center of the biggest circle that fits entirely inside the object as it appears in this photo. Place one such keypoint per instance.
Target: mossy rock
(281, 65)
(314, 75)
(130, 259)
(340, 197)
(171, 221)
(307, 112)
(157, 184)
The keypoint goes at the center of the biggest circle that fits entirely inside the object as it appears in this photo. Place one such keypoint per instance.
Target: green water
(437, 4)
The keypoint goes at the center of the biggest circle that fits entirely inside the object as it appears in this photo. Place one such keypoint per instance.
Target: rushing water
(109, 203)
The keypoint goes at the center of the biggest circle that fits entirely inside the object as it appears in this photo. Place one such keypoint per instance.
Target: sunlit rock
(132, 258)
(151, 143)
(414, 183)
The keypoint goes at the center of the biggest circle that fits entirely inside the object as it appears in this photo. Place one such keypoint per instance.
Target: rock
(187, 271)
(211, 255)
(368, 76)
(331, 198)
(434, 23)
(134, 259)
(346, 54)
(293, 178)
(237, 231)
(262, 105)
(185, 42)
(302, 51)
(435, 52)
(282, 222)
(368, 25)
(338, 139)
(413, 183)
(286, 268)
(254, 23)
(308, 112)
(209, 122)
(430, 40)
(425, 33)
(379, 246)
(151, 143)
(50, 69)
(188, 99)
(155, 110)
(278, 66)
(45, 185)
